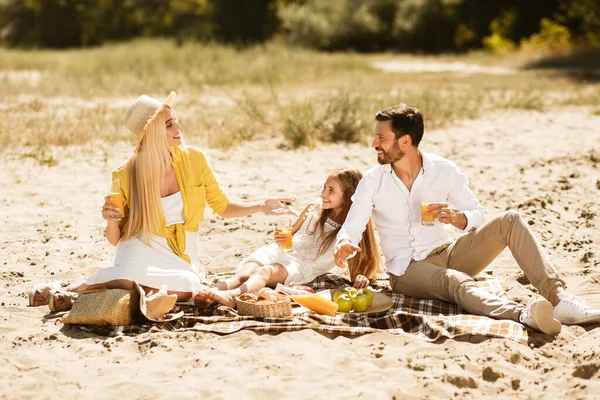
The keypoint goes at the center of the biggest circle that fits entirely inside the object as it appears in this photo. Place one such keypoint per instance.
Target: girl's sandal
(45, 290)
(67, 300)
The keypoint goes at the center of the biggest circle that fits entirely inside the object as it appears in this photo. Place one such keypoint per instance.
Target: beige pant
(446, 274)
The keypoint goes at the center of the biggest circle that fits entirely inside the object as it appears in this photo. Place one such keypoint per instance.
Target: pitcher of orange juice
(116, 195)
(284, 225)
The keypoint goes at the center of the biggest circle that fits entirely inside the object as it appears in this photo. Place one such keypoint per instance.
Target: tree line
(330, 25)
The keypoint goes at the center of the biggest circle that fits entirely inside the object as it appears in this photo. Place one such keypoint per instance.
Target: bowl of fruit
(357, 301)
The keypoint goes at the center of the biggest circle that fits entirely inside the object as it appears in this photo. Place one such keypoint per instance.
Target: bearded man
(422, 261)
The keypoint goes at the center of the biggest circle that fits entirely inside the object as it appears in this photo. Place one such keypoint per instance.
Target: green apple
(338, 294)
(361, 303)
(344, 302)
(369, 294)
(352, 292)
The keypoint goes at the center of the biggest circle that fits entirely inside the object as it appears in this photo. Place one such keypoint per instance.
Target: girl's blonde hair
(147, 166)
(367, 261)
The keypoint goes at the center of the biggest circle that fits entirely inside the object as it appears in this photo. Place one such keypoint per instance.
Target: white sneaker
(539, 316)
(573, 310)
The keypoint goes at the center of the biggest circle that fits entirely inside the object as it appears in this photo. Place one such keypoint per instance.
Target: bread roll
(268, 294)
(249, 297)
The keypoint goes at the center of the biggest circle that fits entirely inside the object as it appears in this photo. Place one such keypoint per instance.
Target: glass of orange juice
(116, 195)
(284, 225)
(427, 198)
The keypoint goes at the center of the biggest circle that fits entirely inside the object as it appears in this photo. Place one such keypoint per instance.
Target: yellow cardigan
(199, 187)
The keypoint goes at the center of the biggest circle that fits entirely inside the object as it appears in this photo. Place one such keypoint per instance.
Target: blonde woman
(166, 186)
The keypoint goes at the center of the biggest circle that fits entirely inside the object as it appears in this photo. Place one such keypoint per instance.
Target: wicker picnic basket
(282, 308)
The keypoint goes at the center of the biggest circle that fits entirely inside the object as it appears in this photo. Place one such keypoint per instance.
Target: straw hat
(155, 306)
(142, 111)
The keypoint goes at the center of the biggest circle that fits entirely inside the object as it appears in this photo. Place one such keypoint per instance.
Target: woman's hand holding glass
(110, 212)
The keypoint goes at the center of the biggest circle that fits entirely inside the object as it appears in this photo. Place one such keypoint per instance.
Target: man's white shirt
(396, 212)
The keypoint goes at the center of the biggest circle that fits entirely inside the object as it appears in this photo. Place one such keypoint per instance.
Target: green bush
(435, 25)
(367, 25)
(426, 25)
(77, 23)
(582, 19)
(300, 126)
(500, 28)
(335, 119)
(498, 44)
(552, 36)
(464, 37)
(333, 25)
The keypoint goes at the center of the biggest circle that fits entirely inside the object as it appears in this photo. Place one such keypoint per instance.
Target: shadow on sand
(581, 65)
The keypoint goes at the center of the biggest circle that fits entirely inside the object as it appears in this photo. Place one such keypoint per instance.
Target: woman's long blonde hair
(367, 261)
(147, 166)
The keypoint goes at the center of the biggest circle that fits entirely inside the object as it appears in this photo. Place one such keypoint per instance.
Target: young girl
(314, 234)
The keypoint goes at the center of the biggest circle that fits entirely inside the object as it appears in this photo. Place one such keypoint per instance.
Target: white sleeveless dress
(157, 265)
(301, 264)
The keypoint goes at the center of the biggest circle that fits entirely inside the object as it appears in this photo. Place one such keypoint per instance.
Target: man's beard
(395, 154)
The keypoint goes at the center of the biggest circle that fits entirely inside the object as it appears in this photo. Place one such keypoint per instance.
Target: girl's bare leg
(267, 275)
(240, 277)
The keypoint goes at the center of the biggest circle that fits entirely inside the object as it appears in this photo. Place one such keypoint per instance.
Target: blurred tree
(363, 25)
(582, 19)
(427, 25)
(498, 24)
(366, 25)
(500, 31)
(552, 36)
(243, 21)
(65, 23)
(73, 23)
(192, 19)
(104, 20)
(344, 24)
(51, 23)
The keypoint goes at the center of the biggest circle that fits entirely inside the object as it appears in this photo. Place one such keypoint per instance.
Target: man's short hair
(405, 121)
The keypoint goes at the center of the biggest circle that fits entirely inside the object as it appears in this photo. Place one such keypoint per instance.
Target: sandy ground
(405, 66)
(544, 164)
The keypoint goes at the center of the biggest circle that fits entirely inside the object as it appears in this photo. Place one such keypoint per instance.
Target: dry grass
(159, 66)
(230, 96)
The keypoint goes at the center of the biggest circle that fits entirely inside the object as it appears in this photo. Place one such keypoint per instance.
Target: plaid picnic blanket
(428, 319)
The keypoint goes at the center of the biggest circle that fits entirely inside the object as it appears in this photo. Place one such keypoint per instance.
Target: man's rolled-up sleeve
(360, 212)
(462, 198)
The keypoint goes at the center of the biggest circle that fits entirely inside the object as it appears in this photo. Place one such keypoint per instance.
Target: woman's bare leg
(267, 275)
(116, 284)
(40, 297)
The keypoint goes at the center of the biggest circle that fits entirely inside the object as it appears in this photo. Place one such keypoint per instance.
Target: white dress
(157, 265)
(301, 263)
